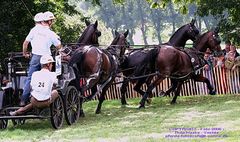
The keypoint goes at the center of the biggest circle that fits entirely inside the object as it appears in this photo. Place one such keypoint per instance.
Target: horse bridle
(191, 30)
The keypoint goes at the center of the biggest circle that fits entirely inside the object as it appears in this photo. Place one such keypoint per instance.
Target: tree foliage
(225, 10)
(17, 20)
(228, 12)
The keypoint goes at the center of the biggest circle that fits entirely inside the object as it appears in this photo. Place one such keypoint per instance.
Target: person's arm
(56, 40)
(59, 46)
(24, 50)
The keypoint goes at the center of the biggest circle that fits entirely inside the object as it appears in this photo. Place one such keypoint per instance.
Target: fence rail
(224, 81)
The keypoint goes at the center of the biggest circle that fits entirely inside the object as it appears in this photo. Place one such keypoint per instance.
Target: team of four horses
(100, 66)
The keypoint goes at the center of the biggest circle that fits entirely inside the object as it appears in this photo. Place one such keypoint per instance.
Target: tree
(17, 20)
(228, 12)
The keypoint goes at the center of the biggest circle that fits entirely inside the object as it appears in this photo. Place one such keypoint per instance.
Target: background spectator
(227, 47)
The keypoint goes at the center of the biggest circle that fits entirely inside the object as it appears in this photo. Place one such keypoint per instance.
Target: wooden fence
(224, 81)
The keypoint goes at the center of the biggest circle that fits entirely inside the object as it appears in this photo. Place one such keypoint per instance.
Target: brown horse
(89, 37)
(178, 64)
(134, 58)
(99, 66)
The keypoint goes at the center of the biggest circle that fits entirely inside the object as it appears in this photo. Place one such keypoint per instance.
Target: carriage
(12, 81)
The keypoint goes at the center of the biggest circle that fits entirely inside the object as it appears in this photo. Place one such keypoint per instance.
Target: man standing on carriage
(42, 94)
(41, 38)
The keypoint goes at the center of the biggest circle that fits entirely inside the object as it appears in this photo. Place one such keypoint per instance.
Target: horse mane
(115, 40)
(199, 39)
(112, 48)
(83, 34)
(177, 32)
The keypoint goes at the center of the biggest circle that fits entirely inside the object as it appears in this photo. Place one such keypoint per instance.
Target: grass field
(208, 118)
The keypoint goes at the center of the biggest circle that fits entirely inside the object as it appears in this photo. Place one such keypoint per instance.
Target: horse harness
(196, 58)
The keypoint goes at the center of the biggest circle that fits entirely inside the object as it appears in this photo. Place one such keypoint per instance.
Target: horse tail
(76, 57)
(148, 63)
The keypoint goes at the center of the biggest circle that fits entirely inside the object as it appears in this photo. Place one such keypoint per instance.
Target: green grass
(154, 123)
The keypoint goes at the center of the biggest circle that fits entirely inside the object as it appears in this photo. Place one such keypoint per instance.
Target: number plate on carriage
(58, 65)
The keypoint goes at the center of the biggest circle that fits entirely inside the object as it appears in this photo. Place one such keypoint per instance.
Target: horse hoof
(124, 103)
(98, 111)
(82, 114)
(149, 101)
(213, 92)
(141, 107)
(173, 103)
(162, 94)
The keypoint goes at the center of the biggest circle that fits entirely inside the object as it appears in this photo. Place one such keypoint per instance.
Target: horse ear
(116, 33)
(216, 30)
(96, 24)
(87, 22)
(126, 33)
(193, 21)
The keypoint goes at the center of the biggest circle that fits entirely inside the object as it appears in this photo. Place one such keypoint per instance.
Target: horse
(132, 59)
(179, 65)
(99, 66)
(89, 36)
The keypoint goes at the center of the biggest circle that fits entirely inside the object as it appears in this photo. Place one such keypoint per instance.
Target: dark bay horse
(134, 58)
(99, 66)
(178, 64)
(89, 37)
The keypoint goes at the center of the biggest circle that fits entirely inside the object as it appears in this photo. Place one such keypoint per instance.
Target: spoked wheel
(18, 121)
(57, 113)
(71, 105)
(3, 123)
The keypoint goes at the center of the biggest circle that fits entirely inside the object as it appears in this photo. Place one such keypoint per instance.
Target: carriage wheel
(18, 121)
(71, 105)
(3, 123)
(57, 113)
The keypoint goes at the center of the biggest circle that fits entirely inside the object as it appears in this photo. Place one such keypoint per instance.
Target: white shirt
(42, 83)
(41, 38)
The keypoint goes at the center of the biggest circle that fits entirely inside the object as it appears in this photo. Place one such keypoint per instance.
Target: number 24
(40, 84)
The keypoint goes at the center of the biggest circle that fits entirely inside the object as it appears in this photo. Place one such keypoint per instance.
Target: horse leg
(138, 89)
(174, 84)
(82, 114)
(149, 90)
(138, 85)
(201, 78)
(123, 92)
(177, 92)
(91, 83)
(93, 91)
(102, 97)
(148, 82)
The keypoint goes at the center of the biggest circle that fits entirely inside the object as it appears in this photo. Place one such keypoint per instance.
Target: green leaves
(183, 9)
(154, 5)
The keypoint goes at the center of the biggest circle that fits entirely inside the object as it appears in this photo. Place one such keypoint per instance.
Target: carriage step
(24, 117)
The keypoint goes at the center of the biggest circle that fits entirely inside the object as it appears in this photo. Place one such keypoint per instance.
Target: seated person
(42, 94)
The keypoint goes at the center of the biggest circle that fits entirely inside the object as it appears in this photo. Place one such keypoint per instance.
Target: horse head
(119, 44)
(90, 34)
(184, 33)
(209, 40)
(192, 31)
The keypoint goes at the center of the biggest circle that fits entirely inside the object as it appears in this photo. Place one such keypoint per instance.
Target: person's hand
(26, 55)
(234, 67)
(206, 67)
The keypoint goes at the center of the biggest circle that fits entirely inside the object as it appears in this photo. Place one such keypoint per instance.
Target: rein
(153, 74)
